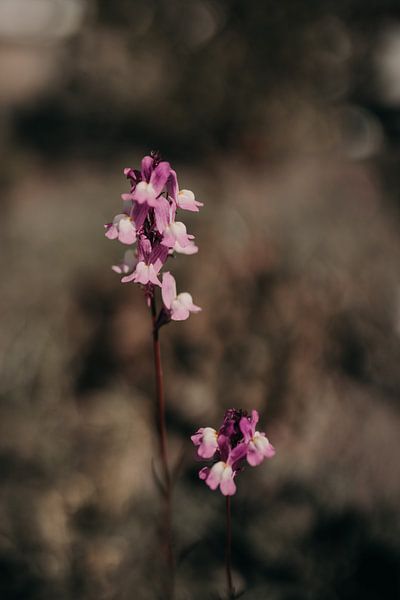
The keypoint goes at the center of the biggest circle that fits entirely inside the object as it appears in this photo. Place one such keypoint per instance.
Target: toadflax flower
(235, 442)
(149, 226)
(179, 306)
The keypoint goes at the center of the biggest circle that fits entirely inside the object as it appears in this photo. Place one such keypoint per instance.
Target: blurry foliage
(276, 116)
(202, 75)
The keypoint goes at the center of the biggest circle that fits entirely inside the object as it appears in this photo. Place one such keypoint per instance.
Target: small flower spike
(148, 219)
(235, 441)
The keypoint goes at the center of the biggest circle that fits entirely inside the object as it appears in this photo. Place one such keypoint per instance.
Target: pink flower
(182, 198)
(206, 440)
(236, 441)
(148, 218)
(143, 274)
(122, 228)
(258, 445)
(153, 181)
(185, 199)
(223, 472)
(191, 248)
(175, 233)
(220, 475)
(180, 305)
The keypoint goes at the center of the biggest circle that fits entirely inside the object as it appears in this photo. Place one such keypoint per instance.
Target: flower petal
(139, 214)
(215, 475)
(246, 428)
(168, 289)
(203, 473)
(172, 185)
(127, 231)
(191, 248)
(186, 201)
(147, 167)
(128, 278)
(112, 232)
(159, 176)
(179, 313)
(237, 455)
(208, 445)
(227, 486)
(198, 436)
(161, 214)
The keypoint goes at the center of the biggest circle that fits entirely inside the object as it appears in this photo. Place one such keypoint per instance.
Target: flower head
(148, 219)
(234, 442)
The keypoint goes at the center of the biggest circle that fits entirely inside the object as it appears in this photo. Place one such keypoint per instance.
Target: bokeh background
(284, 118)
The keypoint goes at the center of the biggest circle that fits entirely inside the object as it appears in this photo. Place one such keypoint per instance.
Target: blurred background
(284, 118)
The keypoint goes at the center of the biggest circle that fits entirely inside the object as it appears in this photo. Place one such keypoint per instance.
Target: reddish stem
(228, 553)
(162, 435)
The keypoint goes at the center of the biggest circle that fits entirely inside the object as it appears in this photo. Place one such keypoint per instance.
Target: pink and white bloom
(122, 228)
(220, 475)
(223, 472)
(153, 181)
(258, 445)
(176, 233)
(206, 438)
(237, 441)
(143, 274)
(191, 248)
(148, 218)
(185, 199)
(180, 305)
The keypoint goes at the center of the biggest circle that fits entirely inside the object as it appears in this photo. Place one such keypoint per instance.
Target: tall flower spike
(235, 442)
(148, 217)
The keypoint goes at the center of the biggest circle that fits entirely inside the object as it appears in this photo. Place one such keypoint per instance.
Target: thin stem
(162, 436)
(228, 552)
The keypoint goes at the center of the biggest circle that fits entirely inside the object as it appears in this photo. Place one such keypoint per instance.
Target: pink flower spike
(206, 440)
(185, 199)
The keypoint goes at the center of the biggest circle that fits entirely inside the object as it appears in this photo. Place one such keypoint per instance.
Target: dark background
(284, 118)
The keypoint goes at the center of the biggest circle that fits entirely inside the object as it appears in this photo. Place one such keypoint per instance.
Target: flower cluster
(148, 219)
(236, 442)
